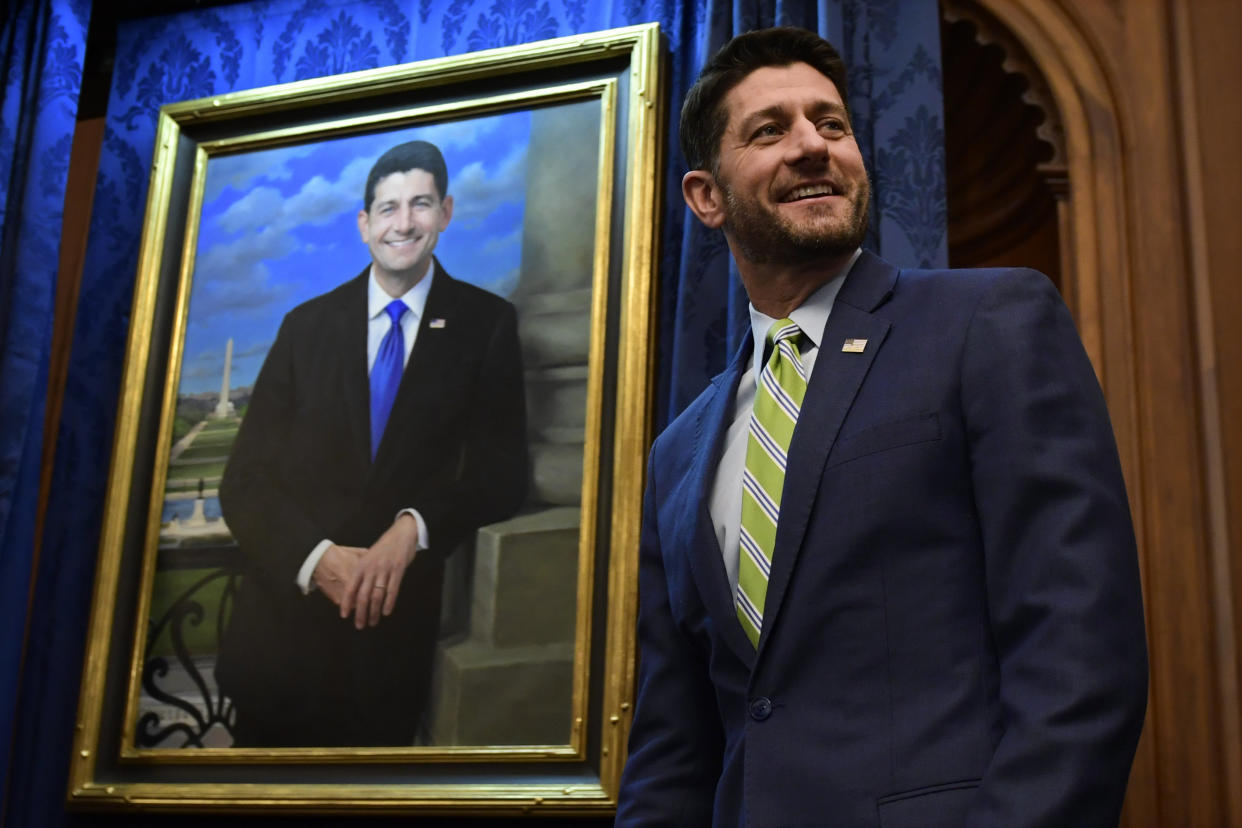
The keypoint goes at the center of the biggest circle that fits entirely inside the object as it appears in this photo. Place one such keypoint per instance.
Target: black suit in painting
(301, 471)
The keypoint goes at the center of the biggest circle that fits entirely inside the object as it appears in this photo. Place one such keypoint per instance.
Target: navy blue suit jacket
(953, 632)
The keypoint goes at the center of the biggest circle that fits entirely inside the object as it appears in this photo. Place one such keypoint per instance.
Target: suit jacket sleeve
(1060, 565)
(262, 513)
(491, 476)
(676, 740)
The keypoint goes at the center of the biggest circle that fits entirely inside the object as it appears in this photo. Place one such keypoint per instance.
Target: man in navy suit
(949, 626)
(378, 437)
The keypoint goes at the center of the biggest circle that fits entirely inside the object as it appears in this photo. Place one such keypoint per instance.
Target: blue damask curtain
(41, 51)
(891, 45)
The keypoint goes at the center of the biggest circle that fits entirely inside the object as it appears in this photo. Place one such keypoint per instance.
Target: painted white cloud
(240, 298)
(239, 171)
(503, 245)
(231, 261)
(258, 349)
(353, 180)
(233, 278)
(234, 274)
(319, 202)
(457, 134)
(478, 191)
(261, 207)
(200, 370)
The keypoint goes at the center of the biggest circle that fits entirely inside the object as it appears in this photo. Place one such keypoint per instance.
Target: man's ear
(704, 197)
(446, 209)
(362, 226)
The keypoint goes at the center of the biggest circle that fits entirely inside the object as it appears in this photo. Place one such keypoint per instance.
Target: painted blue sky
(279, 227)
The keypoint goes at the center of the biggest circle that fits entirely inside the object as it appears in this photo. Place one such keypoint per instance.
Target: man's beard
(766, 238)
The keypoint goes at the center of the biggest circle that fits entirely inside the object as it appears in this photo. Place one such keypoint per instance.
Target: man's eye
(833, 125)
(767, 131)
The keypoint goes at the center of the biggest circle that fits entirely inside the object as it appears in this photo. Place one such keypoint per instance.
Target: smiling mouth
(811, 191)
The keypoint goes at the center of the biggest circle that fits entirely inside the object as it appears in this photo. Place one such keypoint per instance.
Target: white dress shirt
(725, 505)
(378, 325)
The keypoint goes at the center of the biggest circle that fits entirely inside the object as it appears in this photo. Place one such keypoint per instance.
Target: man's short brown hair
(703, 116)
(412, 155)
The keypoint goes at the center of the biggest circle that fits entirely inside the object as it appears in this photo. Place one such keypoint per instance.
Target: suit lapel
(834, 384)
(705, 558)
(356, 388)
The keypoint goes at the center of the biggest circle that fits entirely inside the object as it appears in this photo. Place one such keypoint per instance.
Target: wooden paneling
(1152, 245)
(1004, 148)
(1208, 64)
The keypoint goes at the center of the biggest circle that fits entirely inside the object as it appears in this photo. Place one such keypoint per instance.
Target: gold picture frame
(143, 744)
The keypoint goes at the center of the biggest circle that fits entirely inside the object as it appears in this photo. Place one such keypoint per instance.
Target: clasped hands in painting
(364, 582)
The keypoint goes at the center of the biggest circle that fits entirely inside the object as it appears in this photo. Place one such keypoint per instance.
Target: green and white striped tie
(778, 398)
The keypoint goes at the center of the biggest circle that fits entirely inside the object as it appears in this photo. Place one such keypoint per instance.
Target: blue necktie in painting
(386, 373)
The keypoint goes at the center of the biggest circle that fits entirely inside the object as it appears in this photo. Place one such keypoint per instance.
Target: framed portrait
(408, 309)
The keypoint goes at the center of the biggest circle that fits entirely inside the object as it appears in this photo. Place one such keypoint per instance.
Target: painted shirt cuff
(424, 539)
(308, 567)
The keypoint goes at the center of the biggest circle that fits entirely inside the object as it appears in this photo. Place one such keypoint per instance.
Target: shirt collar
(415, 298)
(811, 316)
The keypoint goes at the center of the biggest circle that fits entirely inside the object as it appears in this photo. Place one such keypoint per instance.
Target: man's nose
(403, 221)
(806, 145)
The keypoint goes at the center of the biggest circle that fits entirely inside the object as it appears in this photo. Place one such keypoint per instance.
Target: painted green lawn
(198, 451)
(171, 584)
(220, 434)
(181, 426)
(185, 475)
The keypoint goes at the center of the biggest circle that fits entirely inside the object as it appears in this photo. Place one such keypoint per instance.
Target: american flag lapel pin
(854, 346)
(439, 323)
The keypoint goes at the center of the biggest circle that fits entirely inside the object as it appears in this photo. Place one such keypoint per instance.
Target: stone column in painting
(509, 678)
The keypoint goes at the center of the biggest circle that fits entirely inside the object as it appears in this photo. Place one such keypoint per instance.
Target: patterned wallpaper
(891, 45)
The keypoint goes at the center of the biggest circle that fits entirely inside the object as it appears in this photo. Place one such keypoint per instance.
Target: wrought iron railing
(194, 719)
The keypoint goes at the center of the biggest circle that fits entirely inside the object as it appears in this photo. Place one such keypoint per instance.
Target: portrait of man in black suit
(386, 425)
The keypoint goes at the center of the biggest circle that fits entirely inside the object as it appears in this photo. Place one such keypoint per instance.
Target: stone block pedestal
(510, 680)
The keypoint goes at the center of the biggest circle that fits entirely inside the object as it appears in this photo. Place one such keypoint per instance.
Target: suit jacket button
(761, 708)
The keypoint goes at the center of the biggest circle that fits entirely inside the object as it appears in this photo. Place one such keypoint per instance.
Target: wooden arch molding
(1106, 70)
(1081, 126)
(1004, 148)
